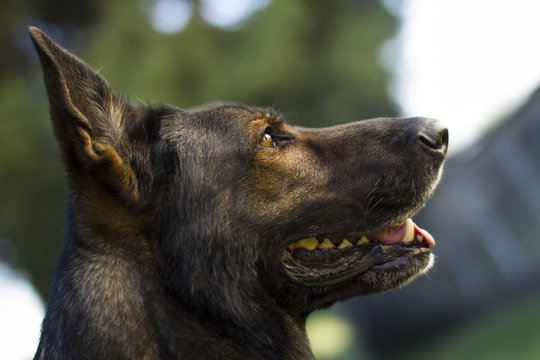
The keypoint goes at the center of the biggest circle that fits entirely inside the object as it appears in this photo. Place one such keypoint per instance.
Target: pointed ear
(88, 118)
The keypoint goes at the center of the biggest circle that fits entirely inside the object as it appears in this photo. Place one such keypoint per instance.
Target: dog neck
(111, 289)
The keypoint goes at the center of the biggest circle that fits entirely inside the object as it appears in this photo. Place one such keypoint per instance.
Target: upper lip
(400, 232)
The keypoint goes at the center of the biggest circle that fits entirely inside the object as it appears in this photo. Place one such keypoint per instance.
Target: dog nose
(432, 135)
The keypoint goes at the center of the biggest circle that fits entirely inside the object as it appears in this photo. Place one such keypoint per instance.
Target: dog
(212, 233)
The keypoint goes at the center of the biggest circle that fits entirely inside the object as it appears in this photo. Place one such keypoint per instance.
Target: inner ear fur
(88, 118)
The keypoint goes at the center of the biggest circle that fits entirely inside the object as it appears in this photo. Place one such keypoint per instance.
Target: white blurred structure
(466, 63)
(21, 312)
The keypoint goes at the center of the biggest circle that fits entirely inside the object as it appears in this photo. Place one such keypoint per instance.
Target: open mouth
(333, 259)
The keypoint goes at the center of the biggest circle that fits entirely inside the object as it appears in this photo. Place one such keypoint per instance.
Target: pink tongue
(390, 235)
(428, 239)
(394, 233)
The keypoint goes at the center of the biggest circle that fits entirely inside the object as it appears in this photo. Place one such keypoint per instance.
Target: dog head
(237, 211)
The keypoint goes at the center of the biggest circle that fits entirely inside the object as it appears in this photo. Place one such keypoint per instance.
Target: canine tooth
(345, 243)
(307, 243)
(326, 244)
(363, 240)
(409, 232)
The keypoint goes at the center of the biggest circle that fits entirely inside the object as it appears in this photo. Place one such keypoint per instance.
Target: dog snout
(432, 135)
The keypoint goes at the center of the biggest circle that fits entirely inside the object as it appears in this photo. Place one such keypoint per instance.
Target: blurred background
(473, 65)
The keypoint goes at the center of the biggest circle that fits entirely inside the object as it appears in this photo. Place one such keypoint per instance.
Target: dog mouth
(333, 259)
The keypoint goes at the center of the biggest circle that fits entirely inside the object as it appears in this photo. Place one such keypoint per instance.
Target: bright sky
(467, 63)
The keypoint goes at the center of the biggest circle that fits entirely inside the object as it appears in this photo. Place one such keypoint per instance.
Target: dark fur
(177, 219)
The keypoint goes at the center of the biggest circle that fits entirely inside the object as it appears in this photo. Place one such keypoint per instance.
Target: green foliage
(509, 334)
(32, 189)
(316, 61)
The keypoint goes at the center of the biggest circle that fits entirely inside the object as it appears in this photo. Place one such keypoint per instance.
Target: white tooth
(327, 244)
(409, 231)
(308, 243)
(363, 240)
(344, 244)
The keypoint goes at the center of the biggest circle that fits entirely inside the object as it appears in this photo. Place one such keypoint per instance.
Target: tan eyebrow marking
(269, 120)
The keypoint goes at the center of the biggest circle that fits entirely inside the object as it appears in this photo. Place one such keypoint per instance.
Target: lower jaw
(403, 262)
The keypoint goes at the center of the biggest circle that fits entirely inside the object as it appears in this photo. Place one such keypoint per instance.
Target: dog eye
(267, 141)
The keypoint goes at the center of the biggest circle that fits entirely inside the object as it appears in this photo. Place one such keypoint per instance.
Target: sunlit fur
(177, 220)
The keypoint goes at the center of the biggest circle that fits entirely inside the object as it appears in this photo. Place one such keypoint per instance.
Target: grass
(512, 333)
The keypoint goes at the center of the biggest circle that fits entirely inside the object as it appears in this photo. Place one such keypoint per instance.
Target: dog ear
(88, 118)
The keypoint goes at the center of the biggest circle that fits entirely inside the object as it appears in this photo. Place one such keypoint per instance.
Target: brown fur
(178, 221)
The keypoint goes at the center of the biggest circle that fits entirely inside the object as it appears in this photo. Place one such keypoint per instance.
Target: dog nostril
(437, 140)
(444, 138)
